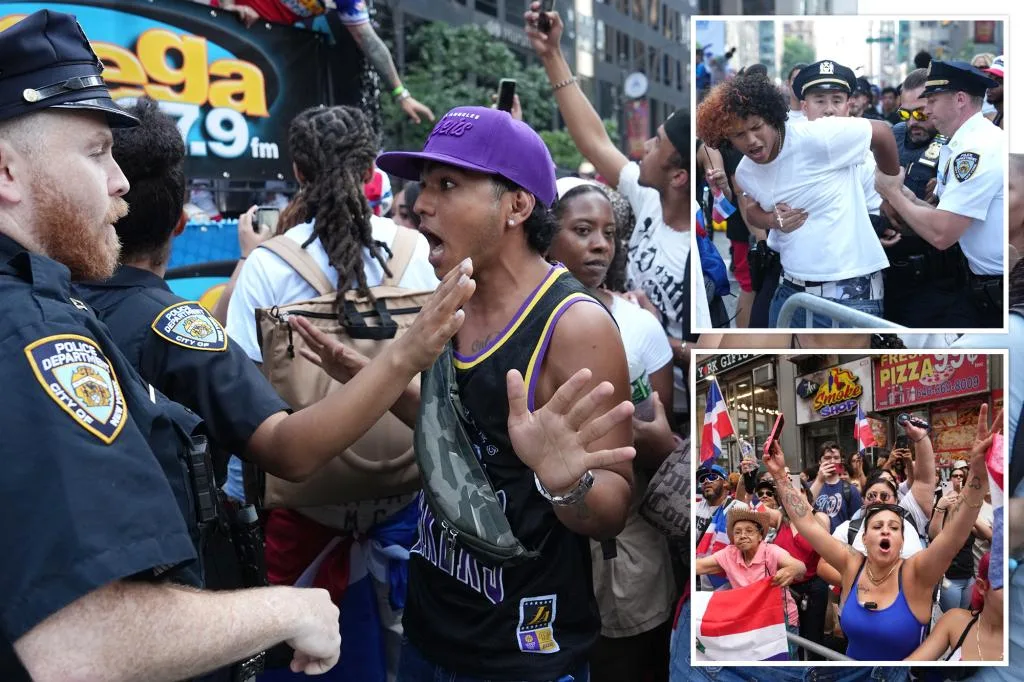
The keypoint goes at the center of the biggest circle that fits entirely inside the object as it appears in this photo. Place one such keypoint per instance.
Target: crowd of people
(880, 555)
(441, 439)
(893, 212)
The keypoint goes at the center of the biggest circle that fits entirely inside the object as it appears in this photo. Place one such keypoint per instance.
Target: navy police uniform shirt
(86, 500)
(180, 348)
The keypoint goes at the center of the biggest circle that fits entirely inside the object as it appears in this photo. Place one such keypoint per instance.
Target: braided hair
(332, 148)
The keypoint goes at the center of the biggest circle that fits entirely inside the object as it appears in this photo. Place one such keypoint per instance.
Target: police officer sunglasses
(916, 114)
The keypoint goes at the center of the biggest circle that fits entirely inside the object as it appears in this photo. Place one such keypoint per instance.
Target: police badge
(77, 376)
(964, 165)
(188, 324)
(827, 68)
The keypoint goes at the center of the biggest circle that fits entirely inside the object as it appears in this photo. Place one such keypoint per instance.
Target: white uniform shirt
(266, 280)
(819, 170)
(970, 184)
(642, 335)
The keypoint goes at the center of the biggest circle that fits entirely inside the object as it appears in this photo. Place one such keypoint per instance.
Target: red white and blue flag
(722, 208)
(862, 432)
(717, 424)
(741, 624)
(994, 463)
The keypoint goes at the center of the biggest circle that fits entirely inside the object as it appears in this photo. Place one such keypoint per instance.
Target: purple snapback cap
(486, 141)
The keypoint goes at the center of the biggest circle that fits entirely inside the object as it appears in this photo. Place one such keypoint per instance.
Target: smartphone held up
(544, 20)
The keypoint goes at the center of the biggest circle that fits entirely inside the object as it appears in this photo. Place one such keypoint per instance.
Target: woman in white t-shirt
(635, 589)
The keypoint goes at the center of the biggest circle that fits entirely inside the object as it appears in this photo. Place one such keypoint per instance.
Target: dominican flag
(741, 624)
(715, 538)
(717, 424)
(994, 462)
(722, 208)
(862, 432)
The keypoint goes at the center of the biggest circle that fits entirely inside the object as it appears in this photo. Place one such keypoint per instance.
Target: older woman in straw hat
(749, 558)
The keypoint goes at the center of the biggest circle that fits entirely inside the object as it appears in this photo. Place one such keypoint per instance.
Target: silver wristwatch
(572, 497)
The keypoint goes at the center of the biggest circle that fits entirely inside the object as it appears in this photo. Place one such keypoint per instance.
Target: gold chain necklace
(879, 581)
(977, 637)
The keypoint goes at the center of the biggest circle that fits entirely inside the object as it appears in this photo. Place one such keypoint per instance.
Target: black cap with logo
(824, 75)
(46, 62)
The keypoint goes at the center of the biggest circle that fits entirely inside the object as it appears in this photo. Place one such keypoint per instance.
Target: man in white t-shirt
(969, 184)
(658, 189)
(813, 166)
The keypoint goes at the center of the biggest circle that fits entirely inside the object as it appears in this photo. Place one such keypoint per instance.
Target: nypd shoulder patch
(964, 165)
(188, 324)
(77, 376)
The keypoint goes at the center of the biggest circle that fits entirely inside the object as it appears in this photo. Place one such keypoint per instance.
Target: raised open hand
(553, 441)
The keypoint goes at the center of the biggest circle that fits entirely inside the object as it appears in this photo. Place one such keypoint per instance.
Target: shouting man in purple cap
(487, 184)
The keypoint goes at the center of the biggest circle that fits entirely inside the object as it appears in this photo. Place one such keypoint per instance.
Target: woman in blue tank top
(886, 601)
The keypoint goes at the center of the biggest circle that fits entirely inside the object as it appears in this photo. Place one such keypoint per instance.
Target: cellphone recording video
(544, 21)
(506, 94)
(266, 215)
(775, 433)
(901, 442)
(840, 469)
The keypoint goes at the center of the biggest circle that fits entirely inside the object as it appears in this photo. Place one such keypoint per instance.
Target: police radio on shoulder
(572, 497)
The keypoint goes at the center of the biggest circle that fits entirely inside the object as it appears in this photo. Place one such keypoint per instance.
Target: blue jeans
(786, 289)
(680, 669)
(413, 667)
(957, 595)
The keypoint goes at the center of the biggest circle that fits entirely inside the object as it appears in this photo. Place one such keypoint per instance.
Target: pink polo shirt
(765, 563)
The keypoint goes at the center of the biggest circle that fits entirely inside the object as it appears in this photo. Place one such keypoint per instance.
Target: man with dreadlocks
(812, 166)
(490, 202)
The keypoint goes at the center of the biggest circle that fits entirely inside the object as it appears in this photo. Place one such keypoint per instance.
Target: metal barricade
(816, 648)
(837, 312)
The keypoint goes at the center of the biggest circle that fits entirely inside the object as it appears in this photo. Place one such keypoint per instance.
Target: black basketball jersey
(532, 621)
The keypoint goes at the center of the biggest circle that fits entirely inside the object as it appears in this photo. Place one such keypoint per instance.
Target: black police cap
(46, 62)
(956, 77)
(824, 75)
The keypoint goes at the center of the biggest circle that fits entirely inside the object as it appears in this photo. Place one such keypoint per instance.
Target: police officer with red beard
(101, 472)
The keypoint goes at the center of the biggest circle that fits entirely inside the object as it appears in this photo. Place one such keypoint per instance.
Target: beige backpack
(377, 475)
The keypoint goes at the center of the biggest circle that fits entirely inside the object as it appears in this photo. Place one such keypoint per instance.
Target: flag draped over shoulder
(744, 624)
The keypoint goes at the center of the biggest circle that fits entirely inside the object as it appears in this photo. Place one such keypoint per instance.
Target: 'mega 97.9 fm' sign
(233, 91)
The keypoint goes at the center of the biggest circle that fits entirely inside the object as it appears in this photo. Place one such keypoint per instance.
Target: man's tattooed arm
(376, 52)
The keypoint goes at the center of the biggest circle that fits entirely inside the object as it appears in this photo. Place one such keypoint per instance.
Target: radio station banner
(903, 380)
(834, 392)
(233, 91)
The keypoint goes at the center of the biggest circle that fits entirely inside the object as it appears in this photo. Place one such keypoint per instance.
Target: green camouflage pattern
(454, 483)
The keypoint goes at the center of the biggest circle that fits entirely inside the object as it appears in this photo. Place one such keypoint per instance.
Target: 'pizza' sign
(903, 380)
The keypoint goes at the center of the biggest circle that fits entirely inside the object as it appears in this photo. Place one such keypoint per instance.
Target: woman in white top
(635, 588)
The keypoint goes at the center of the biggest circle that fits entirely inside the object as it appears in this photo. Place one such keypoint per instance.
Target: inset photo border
(898, 266)
(853, 402)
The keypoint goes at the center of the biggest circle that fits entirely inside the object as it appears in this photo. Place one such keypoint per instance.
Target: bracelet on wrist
(402, 95)
(398, 91)
(572, 496)
(561, 84)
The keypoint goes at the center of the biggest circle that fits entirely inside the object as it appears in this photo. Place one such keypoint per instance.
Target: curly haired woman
(810, 166)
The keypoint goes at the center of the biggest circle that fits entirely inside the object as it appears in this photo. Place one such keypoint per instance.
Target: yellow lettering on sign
(10, 20)
(905, 368)
(189, 83)
(247, 95)
(844, 387)
(121, 67)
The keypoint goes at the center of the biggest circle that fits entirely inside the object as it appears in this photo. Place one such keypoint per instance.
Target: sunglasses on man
(916, 114)
(709, 478)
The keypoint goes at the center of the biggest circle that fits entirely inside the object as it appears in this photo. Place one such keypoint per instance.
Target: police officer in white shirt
(969, 187)
(809, 165)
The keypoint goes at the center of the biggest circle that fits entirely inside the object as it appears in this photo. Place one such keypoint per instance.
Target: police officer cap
(46, 61)
(824, 75)
(956, 77)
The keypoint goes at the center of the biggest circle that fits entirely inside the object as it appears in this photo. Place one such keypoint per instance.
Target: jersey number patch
(188, 324)
(75, 373)
(964, 165)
